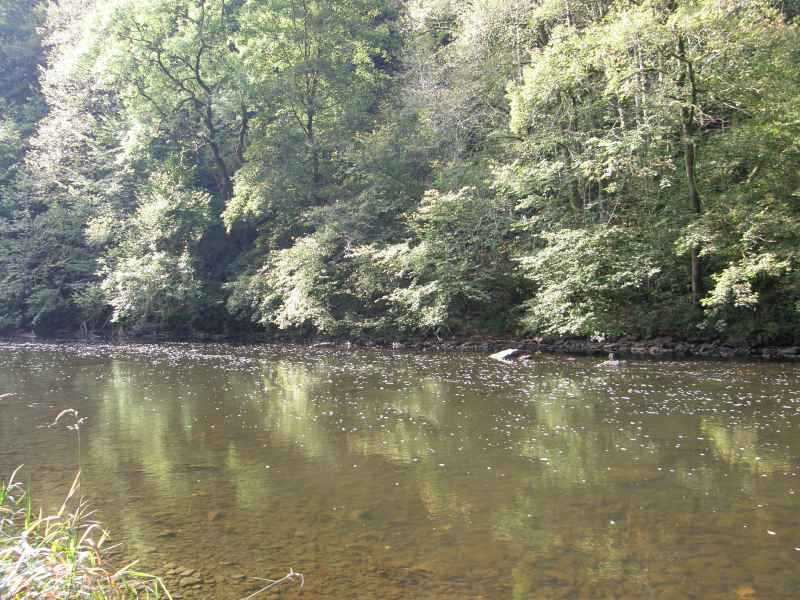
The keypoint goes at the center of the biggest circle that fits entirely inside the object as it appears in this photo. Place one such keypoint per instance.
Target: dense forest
(401, 167)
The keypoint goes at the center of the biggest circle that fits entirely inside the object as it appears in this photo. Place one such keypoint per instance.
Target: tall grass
(61, 556)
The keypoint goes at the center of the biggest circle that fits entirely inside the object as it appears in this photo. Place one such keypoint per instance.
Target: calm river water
(384, 475)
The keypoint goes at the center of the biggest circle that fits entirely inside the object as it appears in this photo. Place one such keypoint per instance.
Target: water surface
(426, 476)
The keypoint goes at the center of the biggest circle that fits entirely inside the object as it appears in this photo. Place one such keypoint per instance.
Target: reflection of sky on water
(445, 473)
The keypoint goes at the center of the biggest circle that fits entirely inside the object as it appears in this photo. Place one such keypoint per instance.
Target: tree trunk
(687, 77)
(316, 179)
(224, 182)
(694, 204)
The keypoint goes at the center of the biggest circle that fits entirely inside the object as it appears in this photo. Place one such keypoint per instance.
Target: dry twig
(291, 576)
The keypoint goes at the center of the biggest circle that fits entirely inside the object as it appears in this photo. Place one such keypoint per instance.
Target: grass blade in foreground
(62, 555)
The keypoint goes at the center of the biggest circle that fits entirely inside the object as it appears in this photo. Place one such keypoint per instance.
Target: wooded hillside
(401, 167)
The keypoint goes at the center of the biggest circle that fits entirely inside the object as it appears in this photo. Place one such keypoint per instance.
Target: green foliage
(149, 273)
(20, 49)
(11, 148)
(457, 263)
(327, 66)
(156, 289)
(608, 112)
(293, 289)
(42, 258)
(457, 266)
(590, 283)
(390, 170)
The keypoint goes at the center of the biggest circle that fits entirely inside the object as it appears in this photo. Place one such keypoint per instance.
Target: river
(389, 475)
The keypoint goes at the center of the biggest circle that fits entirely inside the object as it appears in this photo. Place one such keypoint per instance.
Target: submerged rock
(190, 581)
(167, 534)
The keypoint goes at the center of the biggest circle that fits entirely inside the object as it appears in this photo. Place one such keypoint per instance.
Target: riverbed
(392, 475)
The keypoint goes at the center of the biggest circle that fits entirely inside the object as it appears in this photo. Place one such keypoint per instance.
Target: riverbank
(657, 347)
(660, 347)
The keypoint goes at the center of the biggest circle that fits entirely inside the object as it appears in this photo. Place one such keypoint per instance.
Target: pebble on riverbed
(190, 581)
(214, 515)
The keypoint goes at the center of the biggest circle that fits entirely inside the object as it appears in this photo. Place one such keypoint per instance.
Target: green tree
(318, 68)
(179, 72)
(149, 274)
(637, 98)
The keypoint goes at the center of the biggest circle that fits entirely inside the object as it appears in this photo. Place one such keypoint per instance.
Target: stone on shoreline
(506, 355)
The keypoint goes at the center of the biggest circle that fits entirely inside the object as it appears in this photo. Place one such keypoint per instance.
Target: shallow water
(426, 476)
